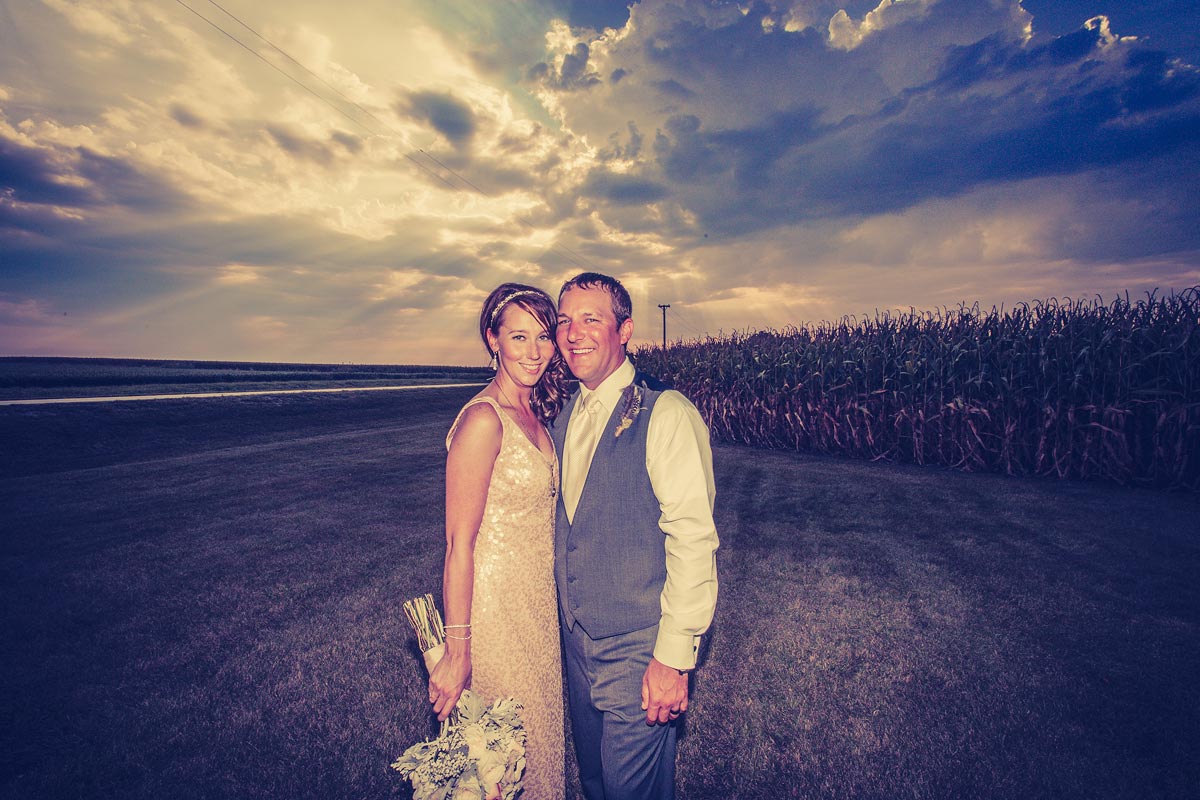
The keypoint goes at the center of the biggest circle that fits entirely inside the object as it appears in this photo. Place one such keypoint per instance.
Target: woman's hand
(447, 681)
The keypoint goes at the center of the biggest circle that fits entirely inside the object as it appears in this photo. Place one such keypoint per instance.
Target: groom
(634, 549)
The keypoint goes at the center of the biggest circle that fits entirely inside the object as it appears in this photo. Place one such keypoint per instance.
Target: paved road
(48, 400)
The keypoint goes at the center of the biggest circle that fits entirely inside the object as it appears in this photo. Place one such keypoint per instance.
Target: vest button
(571, 579)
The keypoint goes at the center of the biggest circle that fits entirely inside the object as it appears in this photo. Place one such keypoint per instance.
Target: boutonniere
(633, 407)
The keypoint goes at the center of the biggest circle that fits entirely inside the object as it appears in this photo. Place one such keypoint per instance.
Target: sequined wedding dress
(514, 615)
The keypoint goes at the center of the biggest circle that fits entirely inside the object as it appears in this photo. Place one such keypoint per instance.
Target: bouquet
(480, 749)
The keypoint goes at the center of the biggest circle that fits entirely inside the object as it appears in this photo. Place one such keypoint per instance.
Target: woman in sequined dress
(501, 484)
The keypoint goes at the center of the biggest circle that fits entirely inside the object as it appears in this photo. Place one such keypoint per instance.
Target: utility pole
(664, 307)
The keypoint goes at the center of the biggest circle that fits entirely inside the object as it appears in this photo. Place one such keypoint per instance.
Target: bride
(501, 484)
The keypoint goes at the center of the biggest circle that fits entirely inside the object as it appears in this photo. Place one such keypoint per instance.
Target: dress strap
(480, 399)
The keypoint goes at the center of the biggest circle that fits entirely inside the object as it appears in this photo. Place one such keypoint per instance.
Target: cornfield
(1066, 389)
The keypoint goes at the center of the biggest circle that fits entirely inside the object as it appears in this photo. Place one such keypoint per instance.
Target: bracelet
(459, 638)
(448, 627)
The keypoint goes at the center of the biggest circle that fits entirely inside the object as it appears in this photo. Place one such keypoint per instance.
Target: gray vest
(610, 564)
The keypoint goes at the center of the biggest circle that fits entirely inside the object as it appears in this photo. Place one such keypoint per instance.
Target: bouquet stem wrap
(480, 750)
(426, 622)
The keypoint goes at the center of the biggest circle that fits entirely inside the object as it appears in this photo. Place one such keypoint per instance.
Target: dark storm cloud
(121, 182)
(631, 149)
(1058, 110)
(448, 115)
(515, 143)
(306, 148)
(845, 151)
(1126, 224)
(692, 46)
(1151, 78)
(301, 147)
(623, 189)
(36, 175)
(598, 14)
(81, 178)
(750, 156)
(575, 72)
(673, 88)
(352, 143)
(186, 117)
(1165, 24)
(94, 266)
(941, 141)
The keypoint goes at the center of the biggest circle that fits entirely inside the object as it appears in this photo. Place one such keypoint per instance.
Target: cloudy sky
(332, 182)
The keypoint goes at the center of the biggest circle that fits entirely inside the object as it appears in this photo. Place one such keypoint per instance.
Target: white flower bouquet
(480, 750)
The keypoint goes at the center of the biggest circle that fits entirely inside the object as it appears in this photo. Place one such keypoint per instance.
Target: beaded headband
(500, 306)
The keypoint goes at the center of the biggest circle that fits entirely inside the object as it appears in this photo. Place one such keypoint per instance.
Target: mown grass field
(201, 600)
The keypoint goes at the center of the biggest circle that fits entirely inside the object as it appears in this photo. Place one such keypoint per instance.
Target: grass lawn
(201, 600)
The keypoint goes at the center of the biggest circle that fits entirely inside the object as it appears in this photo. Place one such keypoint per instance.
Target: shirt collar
(609, 390)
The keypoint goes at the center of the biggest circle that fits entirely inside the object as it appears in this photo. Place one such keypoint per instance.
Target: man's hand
(664, 693)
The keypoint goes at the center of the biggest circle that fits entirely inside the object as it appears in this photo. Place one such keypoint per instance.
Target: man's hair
(622, 306)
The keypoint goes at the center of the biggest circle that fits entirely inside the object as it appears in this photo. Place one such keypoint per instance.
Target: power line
(342, 95)
(575, 258)
(306, 88)
(569, 255)
(286, 55)
(452, 172)
(691, 328)
(275, 67)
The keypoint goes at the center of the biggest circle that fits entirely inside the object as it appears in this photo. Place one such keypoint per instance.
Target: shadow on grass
(201, 599)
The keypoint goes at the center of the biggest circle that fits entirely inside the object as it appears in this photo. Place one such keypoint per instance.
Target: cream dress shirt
(679, 463)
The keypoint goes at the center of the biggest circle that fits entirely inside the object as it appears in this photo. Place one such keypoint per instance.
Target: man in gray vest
(634, 549)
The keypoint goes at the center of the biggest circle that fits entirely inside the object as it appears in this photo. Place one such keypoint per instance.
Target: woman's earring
(495, 362)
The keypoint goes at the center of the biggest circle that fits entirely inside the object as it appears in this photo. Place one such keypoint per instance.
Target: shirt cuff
(676, 650)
